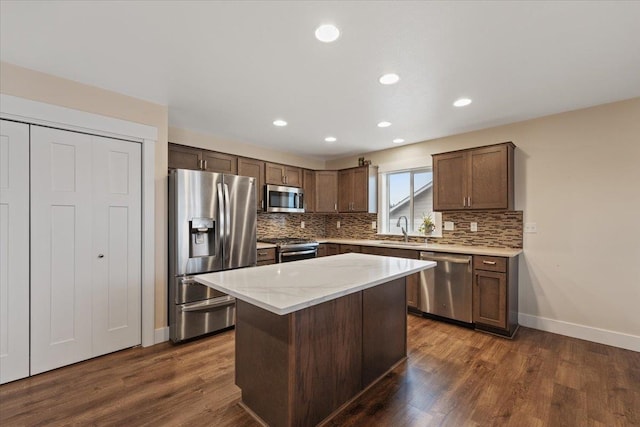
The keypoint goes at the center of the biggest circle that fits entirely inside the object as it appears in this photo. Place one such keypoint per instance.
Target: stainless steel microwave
(279, 198)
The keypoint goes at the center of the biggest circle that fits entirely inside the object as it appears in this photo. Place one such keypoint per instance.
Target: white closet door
(14, 251)
(116, 245)
(61, 248)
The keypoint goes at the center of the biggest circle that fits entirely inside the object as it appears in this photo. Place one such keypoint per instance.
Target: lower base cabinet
(266, 256)
(495, 294)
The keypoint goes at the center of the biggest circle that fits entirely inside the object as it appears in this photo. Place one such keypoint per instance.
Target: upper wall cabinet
(478, 178)
(182, 157)
(326, 192)
(283, 175)
(357, 189)
(254, 168)
(309, 187)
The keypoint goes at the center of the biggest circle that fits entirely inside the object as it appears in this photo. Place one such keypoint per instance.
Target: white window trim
(40, 113)
(383, 215)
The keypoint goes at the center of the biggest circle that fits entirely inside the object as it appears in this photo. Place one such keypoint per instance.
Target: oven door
(297, 255)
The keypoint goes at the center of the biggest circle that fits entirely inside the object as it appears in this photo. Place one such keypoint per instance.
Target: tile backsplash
(501, 229)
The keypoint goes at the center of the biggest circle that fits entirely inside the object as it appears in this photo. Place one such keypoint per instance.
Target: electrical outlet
(337, 224)
(301, 224)
(374, 225)
(448, 225)
(530, 227)
(474, 226)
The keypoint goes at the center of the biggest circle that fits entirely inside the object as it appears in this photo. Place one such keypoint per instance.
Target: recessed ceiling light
(330, 139)
(398, 141)
(384, 124)
(389, 79)
(279, 123)
(327, 33)
(462, 102)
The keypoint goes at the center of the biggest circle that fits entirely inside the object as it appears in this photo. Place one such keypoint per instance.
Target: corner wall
(577, 178)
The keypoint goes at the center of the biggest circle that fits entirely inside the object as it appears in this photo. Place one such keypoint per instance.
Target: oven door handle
(208, 305)
(309, 252)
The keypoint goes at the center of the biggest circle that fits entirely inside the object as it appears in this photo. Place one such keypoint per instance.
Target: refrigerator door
(240, 221)
(195, 226)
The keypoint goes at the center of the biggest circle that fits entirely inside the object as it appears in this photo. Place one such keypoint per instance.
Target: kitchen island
(311, 335)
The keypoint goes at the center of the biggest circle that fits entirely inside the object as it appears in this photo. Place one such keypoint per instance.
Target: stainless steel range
(293, 249)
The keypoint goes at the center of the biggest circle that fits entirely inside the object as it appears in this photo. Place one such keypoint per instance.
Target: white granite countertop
(288, 287)
(262, 245)
(434, 247)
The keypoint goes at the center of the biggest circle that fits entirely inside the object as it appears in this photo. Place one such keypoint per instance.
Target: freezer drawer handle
(209, 306)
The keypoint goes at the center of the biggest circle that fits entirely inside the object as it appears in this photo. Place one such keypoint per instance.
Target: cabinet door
(360, 190)
(274, 174)
(181, 157)
(322, 250)
(293, 176)
(449, 181)
(254, 168)
(490, 298)
(220, 162)
(332, 249)
(61, 248)
(345, 249)
(487, 186)
(14, 251)
(116, 254)
(326, 191)
(345, 189)
(309, 186)
(412, 281)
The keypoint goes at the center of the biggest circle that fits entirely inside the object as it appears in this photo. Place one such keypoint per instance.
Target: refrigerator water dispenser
(203, 237)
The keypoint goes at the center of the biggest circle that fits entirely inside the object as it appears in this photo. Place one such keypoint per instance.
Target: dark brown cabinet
(309, 187)
(332, 249)
(345, 249)
(478, 178)
(183, 157)
(254, 168)
(283, 175)
(354, 192)
(266, 256)
(495, 294)
(326, 196)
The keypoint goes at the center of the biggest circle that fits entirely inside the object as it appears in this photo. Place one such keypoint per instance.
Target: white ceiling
(230, 68)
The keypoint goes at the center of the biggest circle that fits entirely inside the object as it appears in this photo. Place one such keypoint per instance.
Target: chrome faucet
(404, 229)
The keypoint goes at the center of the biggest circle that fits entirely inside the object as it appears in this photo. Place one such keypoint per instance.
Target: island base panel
(299, 369)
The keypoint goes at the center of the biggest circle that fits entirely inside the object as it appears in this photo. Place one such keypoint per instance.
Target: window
(407, 194)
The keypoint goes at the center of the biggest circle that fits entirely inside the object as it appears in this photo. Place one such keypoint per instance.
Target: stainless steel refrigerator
(212, 227)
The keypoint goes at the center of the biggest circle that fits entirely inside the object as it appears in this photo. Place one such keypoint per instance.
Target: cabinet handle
(335, 206)
(204, 162)
(464, 201)
(489, 262)
(469, 201)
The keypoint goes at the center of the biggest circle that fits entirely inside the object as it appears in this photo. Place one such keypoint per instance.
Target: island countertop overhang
(288, 287)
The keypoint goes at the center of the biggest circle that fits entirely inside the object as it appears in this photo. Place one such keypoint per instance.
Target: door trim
(40, 113)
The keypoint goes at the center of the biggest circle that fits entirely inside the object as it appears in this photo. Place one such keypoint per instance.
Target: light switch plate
(374, 225)
(474, 226)
(530, 227)
(337, 224)
(448, 225)
(301, 224)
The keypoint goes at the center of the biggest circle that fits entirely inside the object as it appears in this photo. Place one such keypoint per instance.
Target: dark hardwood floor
(453, 377)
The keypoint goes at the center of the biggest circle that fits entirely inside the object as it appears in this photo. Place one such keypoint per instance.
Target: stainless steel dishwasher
(446, 290)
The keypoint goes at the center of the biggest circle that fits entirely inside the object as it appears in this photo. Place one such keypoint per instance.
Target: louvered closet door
(116, 245)
(14, 251)
(61, 248)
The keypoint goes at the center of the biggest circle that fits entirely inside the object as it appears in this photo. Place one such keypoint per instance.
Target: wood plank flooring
(453, 377)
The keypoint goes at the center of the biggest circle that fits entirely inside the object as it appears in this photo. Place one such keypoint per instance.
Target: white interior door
(116, 244)
(14, 251)
(61, 248)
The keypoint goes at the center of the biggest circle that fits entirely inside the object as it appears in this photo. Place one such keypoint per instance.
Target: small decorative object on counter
(360, 161)
(427, 225)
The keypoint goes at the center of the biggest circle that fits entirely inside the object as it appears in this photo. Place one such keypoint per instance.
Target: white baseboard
(161, 335)
(589, 333)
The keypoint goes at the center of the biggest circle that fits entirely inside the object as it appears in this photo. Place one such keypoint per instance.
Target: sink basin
(402, 243)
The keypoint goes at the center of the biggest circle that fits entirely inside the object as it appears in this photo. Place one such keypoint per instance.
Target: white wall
(580, 273)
